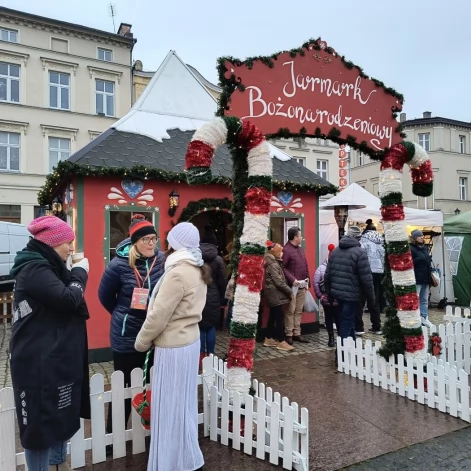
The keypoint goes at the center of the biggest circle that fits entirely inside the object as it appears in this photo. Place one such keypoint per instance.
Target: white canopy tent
(354, 194)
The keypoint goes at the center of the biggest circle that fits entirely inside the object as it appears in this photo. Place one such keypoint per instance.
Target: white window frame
(320, 171)
(9, 146)
(62, 154)
(104, 51)
(59, 88)
(361, 158)
(9, 31)
(9, 79)
(463, 187)
(105, 95)
(300, 160)
(462, 144)
(424, 140)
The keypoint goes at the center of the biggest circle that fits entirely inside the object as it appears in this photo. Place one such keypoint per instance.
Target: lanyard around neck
(140, 281)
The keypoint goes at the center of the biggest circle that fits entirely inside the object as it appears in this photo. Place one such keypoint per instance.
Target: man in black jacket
(348, 279)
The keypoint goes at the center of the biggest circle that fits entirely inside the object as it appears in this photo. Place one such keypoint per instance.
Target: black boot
(331, 340)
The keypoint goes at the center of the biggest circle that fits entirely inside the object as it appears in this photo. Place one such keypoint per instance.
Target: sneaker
(335, 327)
(285, 347)
(360, 333)
(377, 332)
(426, 322)
(270, 343)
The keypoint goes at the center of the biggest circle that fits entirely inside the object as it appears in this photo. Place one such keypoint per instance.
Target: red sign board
(315, 90)
(343, 164)
(342, 172)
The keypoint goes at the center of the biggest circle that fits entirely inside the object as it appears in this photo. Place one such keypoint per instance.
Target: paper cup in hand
(77, 257)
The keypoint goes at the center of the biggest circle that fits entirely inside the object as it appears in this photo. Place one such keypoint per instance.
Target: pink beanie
(51, 231)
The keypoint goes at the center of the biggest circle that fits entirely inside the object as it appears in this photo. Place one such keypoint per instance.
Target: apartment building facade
(447, 142)
(318, 155)
(61, 85)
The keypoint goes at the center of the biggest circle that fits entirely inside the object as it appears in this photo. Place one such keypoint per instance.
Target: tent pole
(443, 263)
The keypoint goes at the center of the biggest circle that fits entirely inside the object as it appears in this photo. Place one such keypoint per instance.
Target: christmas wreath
(252, 189)
(402, 330)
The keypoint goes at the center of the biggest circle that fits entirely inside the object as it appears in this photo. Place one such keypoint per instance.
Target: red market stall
(137, 166)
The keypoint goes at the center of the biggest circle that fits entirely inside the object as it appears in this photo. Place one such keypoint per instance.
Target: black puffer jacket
(348, 274)
(422, 263)
(217, 288)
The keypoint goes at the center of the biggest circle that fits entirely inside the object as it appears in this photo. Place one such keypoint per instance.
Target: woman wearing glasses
(124, 292)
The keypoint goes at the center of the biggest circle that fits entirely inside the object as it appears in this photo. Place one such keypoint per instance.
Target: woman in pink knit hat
(49, 364)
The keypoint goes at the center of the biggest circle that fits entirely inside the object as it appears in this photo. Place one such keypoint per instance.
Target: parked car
(13, 238)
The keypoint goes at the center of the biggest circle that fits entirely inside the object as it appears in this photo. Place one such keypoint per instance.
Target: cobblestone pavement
(317, 343)
(451, 452)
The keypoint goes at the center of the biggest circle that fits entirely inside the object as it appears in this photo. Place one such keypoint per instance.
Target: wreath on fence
(252, 190)
(402, 329)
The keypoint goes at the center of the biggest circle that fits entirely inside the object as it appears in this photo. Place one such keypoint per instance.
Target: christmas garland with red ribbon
(402, 330)
(246, 142)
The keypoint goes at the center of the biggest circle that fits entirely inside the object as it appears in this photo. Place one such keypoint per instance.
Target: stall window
(119, 227)
(279, 227)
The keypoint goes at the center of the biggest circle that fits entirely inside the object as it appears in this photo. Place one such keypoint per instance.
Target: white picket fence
(280, 432)
(457, 314)
(447, 387)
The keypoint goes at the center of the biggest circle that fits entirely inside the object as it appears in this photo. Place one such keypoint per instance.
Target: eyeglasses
(150, 240)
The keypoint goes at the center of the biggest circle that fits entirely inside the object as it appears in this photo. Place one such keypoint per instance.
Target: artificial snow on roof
(175, 98)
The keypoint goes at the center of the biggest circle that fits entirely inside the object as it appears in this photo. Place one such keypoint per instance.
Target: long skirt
(174, 410)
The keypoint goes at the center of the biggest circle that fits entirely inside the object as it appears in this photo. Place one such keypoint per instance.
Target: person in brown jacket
(276, 294)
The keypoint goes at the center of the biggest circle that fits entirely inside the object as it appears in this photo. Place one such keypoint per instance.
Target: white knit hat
(184, 235)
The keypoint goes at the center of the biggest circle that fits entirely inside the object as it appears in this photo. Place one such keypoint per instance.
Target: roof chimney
(427, 114)
(402, 117)
(125, 30)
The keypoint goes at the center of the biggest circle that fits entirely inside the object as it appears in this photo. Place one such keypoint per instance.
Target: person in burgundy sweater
(297, 274)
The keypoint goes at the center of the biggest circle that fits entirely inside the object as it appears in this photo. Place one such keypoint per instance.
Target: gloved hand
(82, 264)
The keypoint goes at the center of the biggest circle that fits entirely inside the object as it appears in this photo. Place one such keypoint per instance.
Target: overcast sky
(421, 48)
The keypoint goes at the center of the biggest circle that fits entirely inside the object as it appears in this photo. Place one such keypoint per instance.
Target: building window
(300, 160)
(424, 140)
(279, 227)
(463, 188)
(59, 149)
(105, 54)
(10, 35)
(462, 144)
(60, 45)
(9, 151)
(318, 141)
(10, 213)
(105, 98)
(326, 142)
(59, 91)
(9, 82)
(361, 159)
(119, 227)
(323, 168)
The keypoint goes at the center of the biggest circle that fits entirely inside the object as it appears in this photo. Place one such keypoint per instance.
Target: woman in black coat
(48, 347)
(138, 265)
(216, 292)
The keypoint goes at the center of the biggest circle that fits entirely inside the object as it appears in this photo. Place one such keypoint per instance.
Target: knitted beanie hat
(416, 233)
(209, 237)
(140, 227)
(330, 247)
(270, 245)
(184, 235)
(51, 230)
(354, 231)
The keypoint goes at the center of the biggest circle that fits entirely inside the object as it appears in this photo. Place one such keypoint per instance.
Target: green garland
(66, 169)
(195, 207)
(229, 85)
